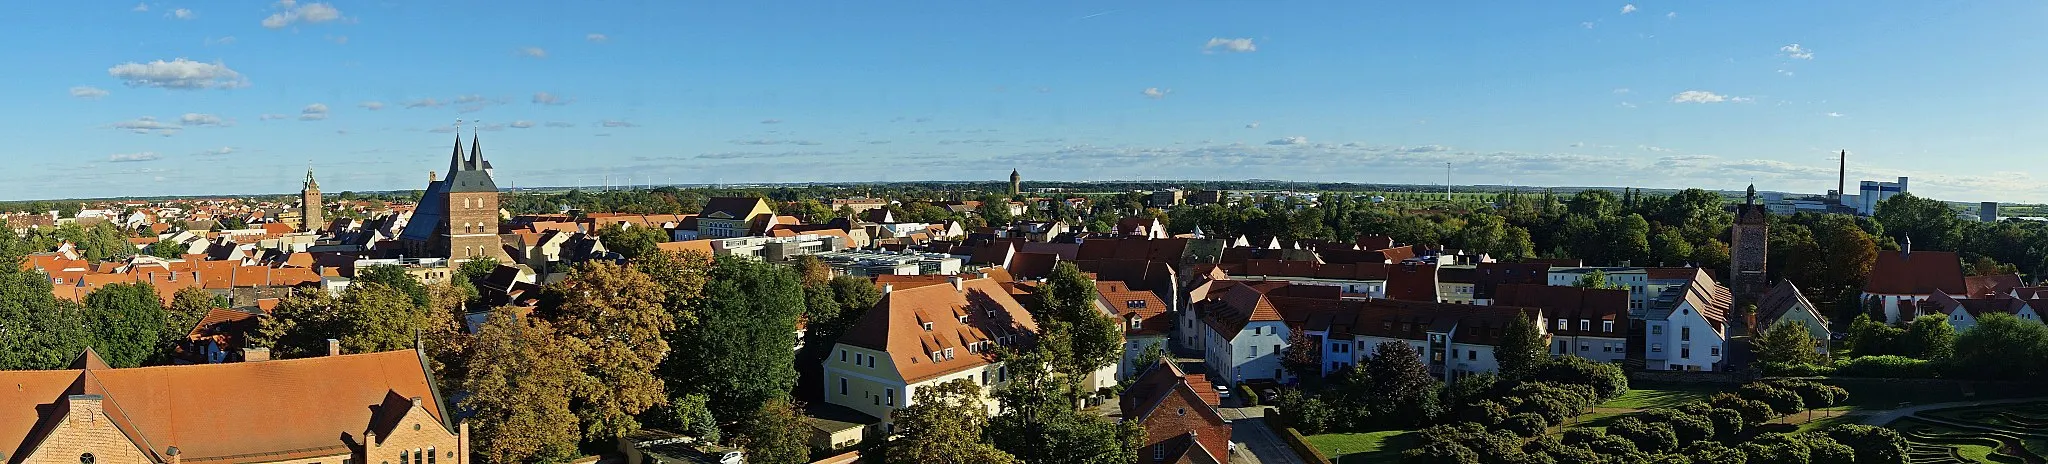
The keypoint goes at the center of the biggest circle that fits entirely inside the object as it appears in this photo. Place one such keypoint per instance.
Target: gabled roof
(1126, 303)
(1237, 307)
(1781, 300)
(1562, 302)
(235, 412)
(897, 324)
(732, 208)
(1412, 282)
(1916, 273)
(1983, 286)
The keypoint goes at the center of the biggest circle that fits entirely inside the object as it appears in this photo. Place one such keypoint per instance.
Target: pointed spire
(476, 149)
(455, 160)
(310, 183)
(1752, 195)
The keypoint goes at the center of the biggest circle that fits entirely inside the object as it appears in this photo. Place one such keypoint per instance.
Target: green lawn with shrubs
(1361, 448)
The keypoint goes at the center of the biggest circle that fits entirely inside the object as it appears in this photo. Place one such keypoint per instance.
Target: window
(1656, 347)
(1560, 346)
(1276, 349)
(1471, 355)
(1585, 324)
(1684, 334)
(927, 326)
(949, 353)
(1583, 346)
(1135, 321)
(1656, 330)
(1607, 326)
(1254, 352)
(890, 396)
(842, 355)
(1685, 351)
(430, 456)
(1159, 452)
(1135, 304)
(85, 458)
(963, 319)
(1561, 324)
(416, 457)
(1714, 351)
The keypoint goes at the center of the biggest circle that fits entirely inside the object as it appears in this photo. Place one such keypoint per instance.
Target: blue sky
(178, 98)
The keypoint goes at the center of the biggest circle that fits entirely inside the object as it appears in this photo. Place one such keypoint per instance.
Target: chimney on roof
(255, 354)
(886, 288)
(431, 176)
(415, 401)
(174, 455)
(958, 284)
(333, 347)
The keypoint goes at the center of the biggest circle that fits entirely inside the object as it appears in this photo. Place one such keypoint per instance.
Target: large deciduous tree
(611, 322)
(1521, 350)
(1068, 296)
(775, 433)
(944, 425)
(1788, 342)
(125, 322)
(519, 392)
(740, 350)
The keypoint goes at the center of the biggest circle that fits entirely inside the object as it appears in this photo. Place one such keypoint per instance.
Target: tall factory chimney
(1842, 177)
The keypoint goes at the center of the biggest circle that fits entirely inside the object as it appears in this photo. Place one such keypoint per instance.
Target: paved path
(1880, 419)
(1258, 444)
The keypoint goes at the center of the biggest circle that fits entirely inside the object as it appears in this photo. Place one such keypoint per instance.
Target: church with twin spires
(458, 217)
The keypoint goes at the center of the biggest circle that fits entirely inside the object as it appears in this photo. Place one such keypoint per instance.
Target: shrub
(1773, 369)
(1606, 380)
(1648, 437)
(1707, 452)
(1306, 413)
(1753, 412)
(1781, 401)
(1550, 408)
(1525, 425)
(1251, 396)
(1728, 423)
(1689, 428)
(1873, 445)
(1888, 366)
(1485, 412)
(1598, 441)
(1814, 395)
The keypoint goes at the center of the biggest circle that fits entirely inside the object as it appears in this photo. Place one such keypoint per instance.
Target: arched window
(85, 458)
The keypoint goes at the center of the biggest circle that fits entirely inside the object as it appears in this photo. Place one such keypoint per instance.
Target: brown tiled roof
(896, 326)
(1572, 303)
(1236, 307)
(1182, 432)
(2029, 293)
(1983, 286)
(1492, 275)
(1670, 273)
(906, 282)
(1916, 273)
(1032, 265)
(736, 207)
(1779, 301)
(1127, 303)
(236, 412)
(1412, 282)
(1944, 303)
(700, 246)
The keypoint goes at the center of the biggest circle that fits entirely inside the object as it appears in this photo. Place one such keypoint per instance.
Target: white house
(925, 336)
(1784, 302)
(1963, 314)
(1145, 319)
(1685, 327)
(1244, 335)
(1584, 322)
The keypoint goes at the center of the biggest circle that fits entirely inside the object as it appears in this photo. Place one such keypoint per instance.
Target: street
(1256, 443)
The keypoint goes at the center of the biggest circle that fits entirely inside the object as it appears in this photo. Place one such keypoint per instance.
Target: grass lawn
(1660, 396)
(1838, 418)
(1362, 448)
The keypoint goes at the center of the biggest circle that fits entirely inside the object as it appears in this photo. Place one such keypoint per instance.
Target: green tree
(1930, 224)
(1669, 248)
(1521, 350)
(519, 392)
(611, 322)
(1069, 296)
(2000, 347)
(739, 352)
(1788, 342)
(126, 322)
(681, 277)
(631, 242)
(1930, 337)
(1038, 421)
(944, 425)
(774, 433)
(1598, 280)
(693, 417)
(1303, 357)
(1869, 337)
(188, 306)
(472, 271)
(394, 277)
(1399, 391)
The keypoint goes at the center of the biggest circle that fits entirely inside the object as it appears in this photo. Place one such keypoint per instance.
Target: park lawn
(1662, 396)
(1975, 453)
(1362, 448)
(1838, 418)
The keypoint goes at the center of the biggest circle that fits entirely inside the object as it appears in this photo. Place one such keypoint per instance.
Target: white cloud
(229, 40)
(217, 151)
(612, 123)
(1627, 105)
(1577, 144)
(558, 124)
(182, 13)
(1621, 90)
(1699, 96)
(291, 12)
(181, 74)
(1628, 8)
(1587, 24)
(1156, 93)
(544, 98)
(271, 116)
(1786, 73)
(1671, 15)
(1223, 45)
(313, 112)
(146, 124)
(132, 157)
(1832, 114)
(771, 121)
(338, 40)
(88, 92)
(1741, 99)
(522, 124)
(597, 38)
(1297, 140)
(1797, 52)
(1253, 125)
(533, 52)
(140, 8)
(424, 103)
(371, 105)
(203, 120)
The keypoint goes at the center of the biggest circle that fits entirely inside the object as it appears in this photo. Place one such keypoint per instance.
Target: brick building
(457, 218)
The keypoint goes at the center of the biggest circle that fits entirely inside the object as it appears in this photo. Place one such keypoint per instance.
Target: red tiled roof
(1127, 303)
(1412, 282)
(896, 326)
(1572, 303)
(1983, 286)
(1916, 273)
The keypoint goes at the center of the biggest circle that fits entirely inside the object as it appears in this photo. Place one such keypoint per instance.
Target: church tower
(310, 208)
(1750, 246)
(472, 202)
(1016, 183)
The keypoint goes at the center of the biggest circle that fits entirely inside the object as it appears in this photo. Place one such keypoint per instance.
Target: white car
(1222, 391)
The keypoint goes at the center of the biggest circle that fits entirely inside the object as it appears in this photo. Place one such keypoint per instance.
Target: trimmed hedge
(1887, 366)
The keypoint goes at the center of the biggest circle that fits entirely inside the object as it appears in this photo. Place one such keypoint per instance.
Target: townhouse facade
(923, 336)
(1686, 326)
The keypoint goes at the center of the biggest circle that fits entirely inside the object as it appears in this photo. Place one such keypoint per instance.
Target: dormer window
(963, 319)
(949, 353)
(1135, 304)
(927, 326)
(1562, 324)
(1607, 326)
(1585, 324)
